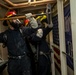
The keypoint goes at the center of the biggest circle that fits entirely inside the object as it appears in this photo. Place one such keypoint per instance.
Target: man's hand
(50, 25)
(39, 33)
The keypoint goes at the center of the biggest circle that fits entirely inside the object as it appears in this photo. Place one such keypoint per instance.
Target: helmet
(9, 14)
(42, 18)
(16, 23)
(26, 22)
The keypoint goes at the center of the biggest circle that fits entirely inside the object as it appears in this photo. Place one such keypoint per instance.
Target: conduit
(4, 6)
(29, 3)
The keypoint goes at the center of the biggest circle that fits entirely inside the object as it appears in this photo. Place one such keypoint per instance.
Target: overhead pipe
(16, 17)
(30, 3)
(13, 4)
(33, 4)
(21, 17)
(29, 0)
(4, 6)
(19, 7)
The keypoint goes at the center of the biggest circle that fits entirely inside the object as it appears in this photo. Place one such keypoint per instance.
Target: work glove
(50, 25)
(39, 33)
(33, 21)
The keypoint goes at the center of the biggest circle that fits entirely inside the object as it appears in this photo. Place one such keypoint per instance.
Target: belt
(16, 57)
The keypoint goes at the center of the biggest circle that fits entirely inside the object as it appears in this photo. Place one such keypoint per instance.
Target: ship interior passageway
(56, 13)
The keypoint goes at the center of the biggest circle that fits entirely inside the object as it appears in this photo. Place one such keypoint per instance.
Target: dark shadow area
(3, 64)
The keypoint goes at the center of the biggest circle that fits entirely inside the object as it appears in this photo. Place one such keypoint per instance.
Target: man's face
(16, 23)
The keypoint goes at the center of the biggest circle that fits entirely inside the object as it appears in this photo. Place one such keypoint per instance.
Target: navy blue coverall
(44, 62)
(18, 62)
